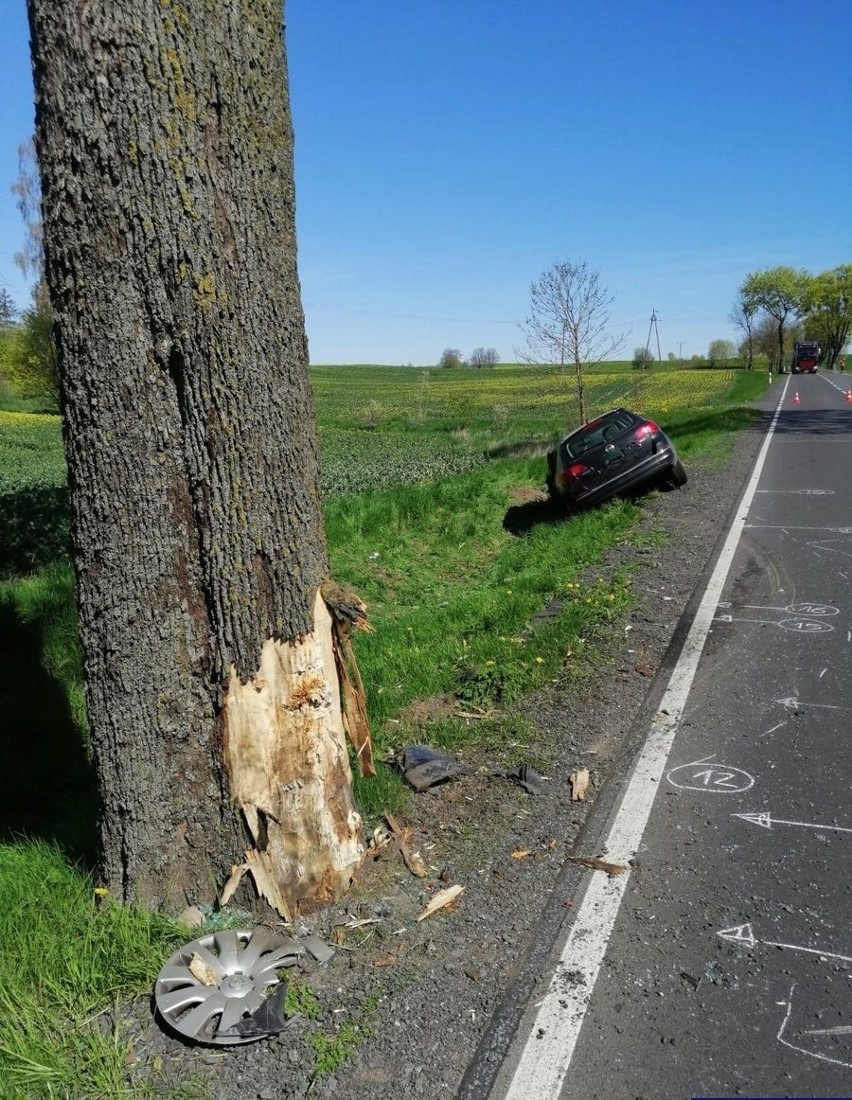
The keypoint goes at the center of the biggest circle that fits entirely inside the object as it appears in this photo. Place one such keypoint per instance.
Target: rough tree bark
(165, 143)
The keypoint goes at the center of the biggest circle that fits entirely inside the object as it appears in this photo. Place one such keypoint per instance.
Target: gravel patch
(423, 994)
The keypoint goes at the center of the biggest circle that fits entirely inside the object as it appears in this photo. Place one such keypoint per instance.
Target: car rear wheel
(678, 476)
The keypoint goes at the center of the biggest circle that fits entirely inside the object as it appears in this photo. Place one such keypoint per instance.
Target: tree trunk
(781, 346)
(165, 143)
(581, 396)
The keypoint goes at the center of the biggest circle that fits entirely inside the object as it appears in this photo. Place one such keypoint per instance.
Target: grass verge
(67, 953)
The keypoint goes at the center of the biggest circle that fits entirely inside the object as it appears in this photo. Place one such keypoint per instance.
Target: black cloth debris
(266, 1020)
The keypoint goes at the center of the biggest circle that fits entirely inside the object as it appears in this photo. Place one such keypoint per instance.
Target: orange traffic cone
(796, 398)
(848, 395)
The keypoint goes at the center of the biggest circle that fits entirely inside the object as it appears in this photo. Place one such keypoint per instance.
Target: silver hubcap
(212, 983)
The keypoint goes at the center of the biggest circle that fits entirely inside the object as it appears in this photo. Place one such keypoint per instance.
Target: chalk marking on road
(793, 527)
(805, 626)
(815, 609)
(766, 821)
(774, 728)
(546, 1056)
(822, 674)
(744, 933)
(795, 626)
(825, 545)
(792, 703)
(793, 1046)
(713, 778)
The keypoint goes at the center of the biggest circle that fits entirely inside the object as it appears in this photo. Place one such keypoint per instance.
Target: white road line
(546, 1057)
(838, 388)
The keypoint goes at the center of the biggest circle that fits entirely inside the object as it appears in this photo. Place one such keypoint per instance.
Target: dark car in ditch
(613, 455)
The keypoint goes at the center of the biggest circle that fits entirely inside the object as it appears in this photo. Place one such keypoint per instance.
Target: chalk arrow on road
(744, 933)
(767, 821)
(791, 703)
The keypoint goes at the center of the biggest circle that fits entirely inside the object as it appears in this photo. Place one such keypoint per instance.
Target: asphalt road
(728, 968)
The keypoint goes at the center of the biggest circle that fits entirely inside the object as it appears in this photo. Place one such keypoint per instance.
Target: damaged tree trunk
(287, 787)
(165, 144)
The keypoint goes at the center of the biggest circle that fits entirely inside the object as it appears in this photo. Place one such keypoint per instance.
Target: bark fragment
(347, 610)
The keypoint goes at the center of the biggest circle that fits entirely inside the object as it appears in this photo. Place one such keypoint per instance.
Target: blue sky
(448, 151)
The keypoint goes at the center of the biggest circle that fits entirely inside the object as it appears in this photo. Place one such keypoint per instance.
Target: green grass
(454, 559)
(447, 586)
(44, 602)
(332, 1051)
(66, 955)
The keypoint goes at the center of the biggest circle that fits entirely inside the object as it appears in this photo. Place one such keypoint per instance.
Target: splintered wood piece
(599, 865)
(402, 836)
(199, 969)
(579, 780)
(442, 899)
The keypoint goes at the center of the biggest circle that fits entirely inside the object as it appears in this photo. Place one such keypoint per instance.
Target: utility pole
(653, 328)
(680, 353)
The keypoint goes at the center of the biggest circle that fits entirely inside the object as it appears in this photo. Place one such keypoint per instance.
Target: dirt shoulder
(409, 1001)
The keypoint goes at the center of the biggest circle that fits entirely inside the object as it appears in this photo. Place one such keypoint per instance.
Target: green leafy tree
(720, 352)
(827, 304)
(642, 357)
(451, 357)
(29, 359)
(765, 340)
(778, 293)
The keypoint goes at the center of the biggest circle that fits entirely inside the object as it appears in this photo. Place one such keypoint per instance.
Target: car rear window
(597, 432)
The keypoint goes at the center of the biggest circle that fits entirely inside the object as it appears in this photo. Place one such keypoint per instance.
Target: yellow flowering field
(501, 399)
(30, 450)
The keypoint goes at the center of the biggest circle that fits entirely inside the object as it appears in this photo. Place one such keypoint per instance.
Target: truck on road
(806, 357)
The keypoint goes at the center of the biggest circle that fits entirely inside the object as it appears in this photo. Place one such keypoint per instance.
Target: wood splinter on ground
(579, 781)
(595, 864)
(199, 969)
(442, 899)
(402, 836)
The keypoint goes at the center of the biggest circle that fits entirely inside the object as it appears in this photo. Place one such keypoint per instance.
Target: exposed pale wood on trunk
(286, 756)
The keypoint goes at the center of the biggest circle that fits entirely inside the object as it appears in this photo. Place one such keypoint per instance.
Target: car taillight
(649, 427)
(576, 469)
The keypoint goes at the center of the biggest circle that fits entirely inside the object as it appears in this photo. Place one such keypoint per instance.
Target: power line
(407, 316)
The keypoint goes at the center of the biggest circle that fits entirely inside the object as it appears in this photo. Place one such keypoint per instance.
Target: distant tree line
(479, 357)
(778, 305)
